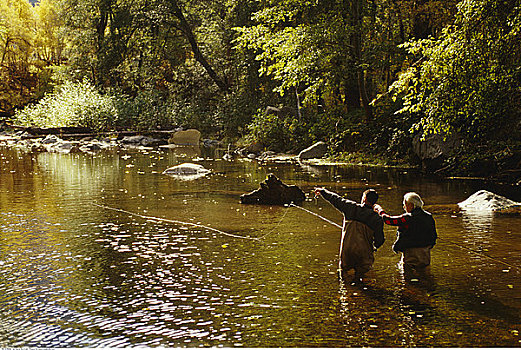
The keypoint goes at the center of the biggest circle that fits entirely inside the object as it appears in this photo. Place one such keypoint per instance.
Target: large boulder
(187, 171)
(487, 201)
(273, 191)
(317, 150)
(434, 149)
(188, 137)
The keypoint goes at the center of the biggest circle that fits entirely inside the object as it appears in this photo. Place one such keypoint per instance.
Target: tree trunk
(352, 93)
(189, 34)
(356, 10)
(299, 113)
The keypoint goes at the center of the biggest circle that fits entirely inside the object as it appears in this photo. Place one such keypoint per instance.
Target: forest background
(366, 76)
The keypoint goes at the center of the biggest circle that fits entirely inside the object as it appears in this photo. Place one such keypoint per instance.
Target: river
(74, 274)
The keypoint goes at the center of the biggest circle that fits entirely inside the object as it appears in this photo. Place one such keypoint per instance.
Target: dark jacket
(358, 212)
(419, 232)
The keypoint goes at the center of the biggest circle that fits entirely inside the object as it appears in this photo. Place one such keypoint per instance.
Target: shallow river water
(74, 274)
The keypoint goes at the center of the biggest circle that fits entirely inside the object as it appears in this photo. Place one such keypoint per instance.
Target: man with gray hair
(416, 231)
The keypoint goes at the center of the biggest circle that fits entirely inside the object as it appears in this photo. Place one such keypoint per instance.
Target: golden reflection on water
(74, 274)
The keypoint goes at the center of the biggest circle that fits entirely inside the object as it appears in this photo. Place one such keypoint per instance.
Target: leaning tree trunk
(189, 34)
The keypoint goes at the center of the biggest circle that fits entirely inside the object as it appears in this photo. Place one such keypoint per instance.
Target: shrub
(71, 104)
(270, 130)
(148, 110)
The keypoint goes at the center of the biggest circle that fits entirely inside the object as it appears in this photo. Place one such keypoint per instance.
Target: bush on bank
(81, 104)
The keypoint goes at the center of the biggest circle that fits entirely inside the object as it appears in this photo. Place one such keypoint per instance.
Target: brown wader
(356, 248)
(417, 257)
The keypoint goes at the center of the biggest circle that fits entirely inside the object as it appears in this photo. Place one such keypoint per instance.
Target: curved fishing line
(278, 224)
(176, 222)
(480, 254)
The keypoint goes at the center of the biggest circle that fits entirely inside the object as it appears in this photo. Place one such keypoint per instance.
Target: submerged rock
(274, 191)
(487, 201)
(187, 171)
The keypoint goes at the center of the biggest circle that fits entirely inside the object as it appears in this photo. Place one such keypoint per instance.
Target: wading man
(416, 232)
(362, 231)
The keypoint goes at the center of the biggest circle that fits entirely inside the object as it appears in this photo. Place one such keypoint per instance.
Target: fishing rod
(313, 213)
(176, 222)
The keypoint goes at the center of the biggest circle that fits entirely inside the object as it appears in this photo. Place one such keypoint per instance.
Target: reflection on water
(74, 274)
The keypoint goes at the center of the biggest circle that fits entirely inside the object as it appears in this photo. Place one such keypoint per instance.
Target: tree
(342, 52)
(469, 79)
(187, 31)
(16, 47)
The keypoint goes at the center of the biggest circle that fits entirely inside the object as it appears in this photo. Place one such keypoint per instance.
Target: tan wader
(417, 257)
(356, 248)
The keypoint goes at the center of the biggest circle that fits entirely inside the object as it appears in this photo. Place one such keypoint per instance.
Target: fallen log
(77, 132)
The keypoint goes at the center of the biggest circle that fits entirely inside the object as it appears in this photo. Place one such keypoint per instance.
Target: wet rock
(188, 137)
(51, 139)
(187, 171)
(91, 147)
(488, 201)
(141, 140)
(274, 191)
(24, 135)
(63, 147)
(318, 150)
(211, 143)
(267, 155)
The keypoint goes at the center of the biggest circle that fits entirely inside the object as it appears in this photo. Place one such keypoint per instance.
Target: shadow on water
(417, 293)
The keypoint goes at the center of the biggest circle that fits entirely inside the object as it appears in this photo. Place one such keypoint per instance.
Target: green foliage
(293, 48)
(147, 110)
(281, 133)
(269, 130)
(71, 104)
(467, 80)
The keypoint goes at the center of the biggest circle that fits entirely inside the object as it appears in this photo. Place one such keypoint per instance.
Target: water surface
(73, 274)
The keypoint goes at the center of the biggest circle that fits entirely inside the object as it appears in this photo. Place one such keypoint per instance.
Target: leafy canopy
(469, 79)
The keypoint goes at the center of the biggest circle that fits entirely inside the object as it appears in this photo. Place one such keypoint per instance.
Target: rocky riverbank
(438, 156)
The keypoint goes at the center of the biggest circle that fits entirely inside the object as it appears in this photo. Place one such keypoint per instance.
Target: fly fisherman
(416, 232)
(362, 231)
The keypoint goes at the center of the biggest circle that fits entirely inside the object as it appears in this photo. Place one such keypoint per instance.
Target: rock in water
(487, 201)
(273, 191)
(187, 171)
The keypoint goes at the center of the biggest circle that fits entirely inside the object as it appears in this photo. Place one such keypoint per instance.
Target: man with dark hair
(362, 231)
